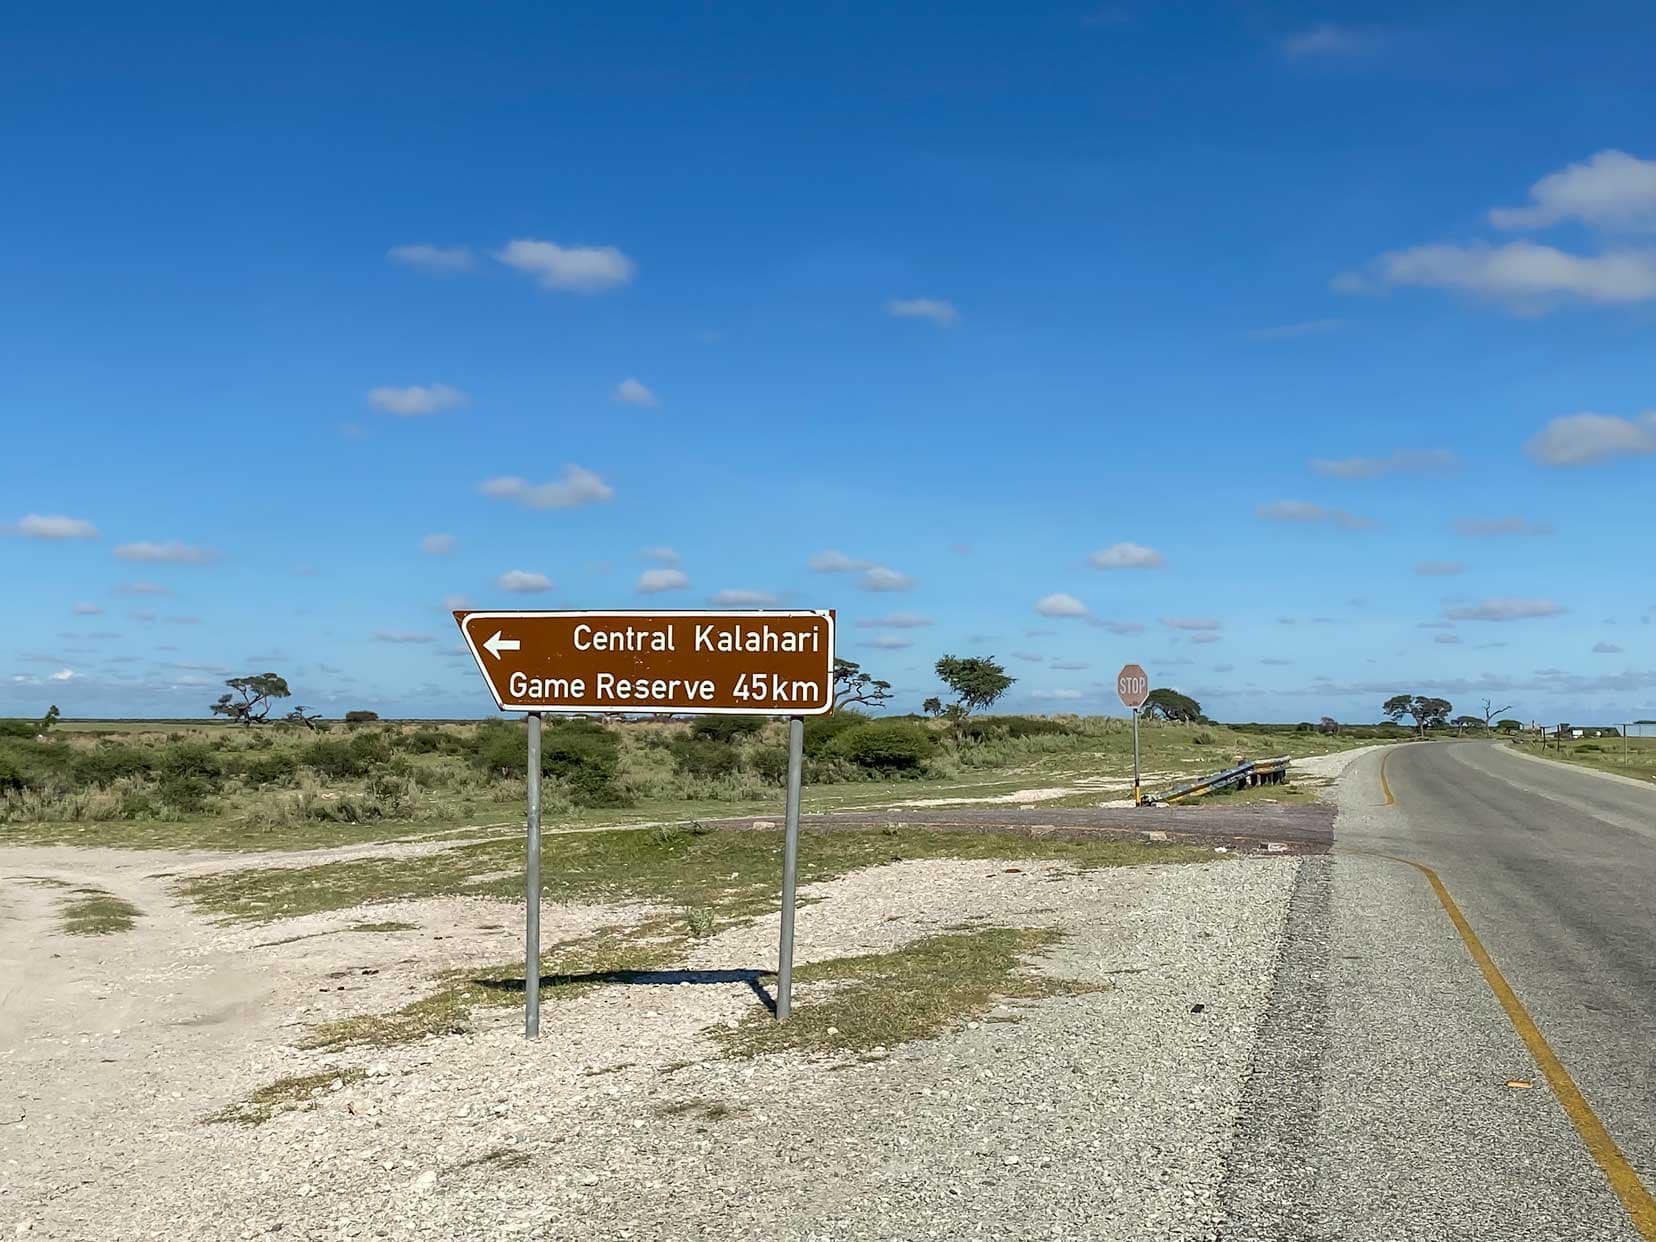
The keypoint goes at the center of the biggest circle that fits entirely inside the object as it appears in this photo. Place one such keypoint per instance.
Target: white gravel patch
(1106, 1115)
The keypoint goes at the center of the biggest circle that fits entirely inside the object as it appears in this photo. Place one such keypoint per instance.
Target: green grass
(94, 912)
(733, 873)
(881, 1000)
(280, 1096)
(1629, 756)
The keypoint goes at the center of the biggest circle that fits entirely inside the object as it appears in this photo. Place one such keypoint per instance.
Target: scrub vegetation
(288, 785)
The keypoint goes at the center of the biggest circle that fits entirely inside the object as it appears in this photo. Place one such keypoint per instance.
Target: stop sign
(1133, 685)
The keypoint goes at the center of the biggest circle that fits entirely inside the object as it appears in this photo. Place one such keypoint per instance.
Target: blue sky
(1068, 334)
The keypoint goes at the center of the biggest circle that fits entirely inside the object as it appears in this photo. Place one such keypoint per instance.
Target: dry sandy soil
(1106, 1113)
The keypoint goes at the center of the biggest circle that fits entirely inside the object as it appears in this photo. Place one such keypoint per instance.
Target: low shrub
(108, 764)
(885, 746)
(820, 731)
(585, 757)
(704, 757)
(726, 728)
(276, 767)
(769, 764)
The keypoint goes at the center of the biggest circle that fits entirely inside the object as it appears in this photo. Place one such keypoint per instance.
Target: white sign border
(722, 614)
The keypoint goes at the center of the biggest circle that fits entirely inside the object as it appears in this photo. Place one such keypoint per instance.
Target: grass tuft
(880, 1000)
(283, 1095)
(94, 912)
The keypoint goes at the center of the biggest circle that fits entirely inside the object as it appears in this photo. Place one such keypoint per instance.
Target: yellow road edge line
(1385, 785)
(1621, 1175)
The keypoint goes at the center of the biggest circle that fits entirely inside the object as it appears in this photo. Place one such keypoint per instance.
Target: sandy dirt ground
(114, 1048)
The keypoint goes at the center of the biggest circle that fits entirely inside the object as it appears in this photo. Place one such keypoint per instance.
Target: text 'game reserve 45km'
(758, 663)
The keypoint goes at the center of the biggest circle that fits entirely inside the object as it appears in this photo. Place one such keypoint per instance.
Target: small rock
(833, 1030)
(1010, 1161)
(379, 1069)
(426, 1182)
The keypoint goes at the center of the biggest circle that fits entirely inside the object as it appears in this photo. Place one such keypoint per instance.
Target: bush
(333, 760)
(769, 764)
(426, 741)
(361, 717)
(885, 746)
(275, 768)
(704, 757)
(19, 728)
(820, 731)
(726, 728)
(1201, 738)
(502, 749)
(108, 764)
(586, 757)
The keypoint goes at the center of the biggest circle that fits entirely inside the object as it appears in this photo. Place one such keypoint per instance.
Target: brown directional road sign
(771, 663)
(1133, 685)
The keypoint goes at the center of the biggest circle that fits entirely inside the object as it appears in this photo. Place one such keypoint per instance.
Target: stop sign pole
(1133, 685)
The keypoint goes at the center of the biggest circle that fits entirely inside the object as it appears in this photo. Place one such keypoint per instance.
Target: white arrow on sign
(495, 644)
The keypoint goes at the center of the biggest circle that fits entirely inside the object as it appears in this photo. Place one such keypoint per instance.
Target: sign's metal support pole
(532, 892)
(1138, 797)
(790, 869)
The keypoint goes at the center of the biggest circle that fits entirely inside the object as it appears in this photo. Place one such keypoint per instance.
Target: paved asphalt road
(1378, 1107)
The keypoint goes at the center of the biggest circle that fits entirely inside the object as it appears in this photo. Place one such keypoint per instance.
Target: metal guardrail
(1273, 771)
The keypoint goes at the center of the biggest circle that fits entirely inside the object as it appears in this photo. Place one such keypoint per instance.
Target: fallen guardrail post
(1273, 771)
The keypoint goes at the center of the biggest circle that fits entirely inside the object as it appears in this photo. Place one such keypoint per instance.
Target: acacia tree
(256, 690)
(1463, 723)
(1490, 712)
(1427, 713)
(1171, 705)
(50, 718)
(298, 716)
(852, 685)
(977, 681)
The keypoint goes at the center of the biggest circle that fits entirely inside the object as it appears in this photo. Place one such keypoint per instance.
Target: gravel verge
(1104, 1115)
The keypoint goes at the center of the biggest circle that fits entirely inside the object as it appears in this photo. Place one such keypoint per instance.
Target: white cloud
(653, 580)
(1059, 604)
(523, 582)
(1118, 627)
(65, 674)
(662, 555)
(1326, 39)
(938, 310)
(1404, 461)
(884, 578)
(1190, 623)
(1606, 649)
(1306, 513)
(438, 545)
(443, 260)
(1446, 639)
(735, 597)
(1438, 569)
(417, 399)
(1058, 696)
(1583, 439)
(87, 610)
(1126, 556)
(577, 269)
(171, 552)
(143, 588)
(1610, 190)
(577, 487)
(1205, 638)
(42, 526)
(896, 621)
(400, 636)
(889, 642)
(1504, 610)
(1523, 274)
(630, 392)
(456, 603)
(1289, 331)
(836, 562)
(1069, 666)
(1032, 657)
(1514, 525)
